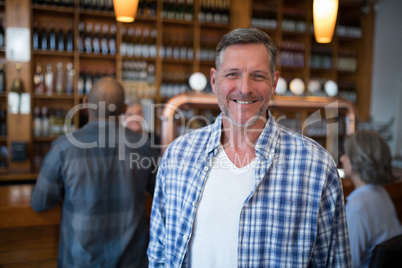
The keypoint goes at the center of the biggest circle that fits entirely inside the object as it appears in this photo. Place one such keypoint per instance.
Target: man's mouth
(244, 102)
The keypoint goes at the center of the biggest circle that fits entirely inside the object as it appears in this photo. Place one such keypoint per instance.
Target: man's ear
(213, 75)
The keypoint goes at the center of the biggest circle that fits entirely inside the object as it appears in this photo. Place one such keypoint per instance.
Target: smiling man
(245, 191)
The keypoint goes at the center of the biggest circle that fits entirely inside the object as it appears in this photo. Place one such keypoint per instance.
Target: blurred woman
(370, 213)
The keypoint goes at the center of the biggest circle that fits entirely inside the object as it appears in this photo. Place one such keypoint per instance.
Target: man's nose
(246, 85)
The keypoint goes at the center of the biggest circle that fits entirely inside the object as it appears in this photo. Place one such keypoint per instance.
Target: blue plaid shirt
(294, 216)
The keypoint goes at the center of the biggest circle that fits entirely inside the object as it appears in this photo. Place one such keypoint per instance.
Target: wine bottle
(52, 37)
(60, 39)
(38, 80)
(70, 79)
(81, 82)
(81, 36)
(44, 37)
(104, 43)
(59, 78)
(49, 79)
(96, 39)
(88, 38)
(70, 38)
(112, 39)
(35, 36)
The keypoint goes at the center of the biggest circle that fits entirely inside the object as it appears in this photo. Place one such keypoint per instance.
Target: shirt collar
(266, 143)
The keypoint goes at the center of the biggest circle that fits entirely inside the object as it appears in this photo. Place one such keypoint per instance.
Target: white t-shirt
(214, 241)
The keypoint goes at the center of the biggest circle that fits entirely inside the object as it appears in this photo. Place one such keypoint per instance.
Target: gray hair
(246, 36)
(370, 156)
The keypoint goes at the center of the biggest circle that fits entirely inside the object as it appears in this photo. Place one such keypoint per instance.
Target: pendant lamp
(324, 17)
(125, 10)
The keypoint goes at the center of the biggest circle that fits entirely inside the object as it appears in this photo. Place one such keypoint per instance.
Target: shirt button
(206, 168)
(185, 237)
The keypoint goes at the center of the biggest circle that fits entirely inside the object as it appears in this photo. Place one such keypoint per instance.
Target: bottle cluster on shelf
(49, 82)
(173, 84)
(177, 46)
(179, 10)
(89, 75)
(48, 122)
(321, 57)
(57, 3)
(138, 78)
(347, 60)
(97, 38)
(291, 54)
(349, 31)
(264, 16)
(50, 38)
(100, 5)
(138, 42)
(214, 11)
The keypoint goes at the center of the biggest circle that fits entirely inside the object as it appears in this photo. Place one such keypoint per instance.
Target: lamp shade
(324, 17)
(125, 10)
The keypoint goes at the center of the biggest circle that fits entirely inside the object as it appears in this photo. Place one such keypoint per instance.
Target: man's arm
(156, 249)
(48, 190)
(332, 233)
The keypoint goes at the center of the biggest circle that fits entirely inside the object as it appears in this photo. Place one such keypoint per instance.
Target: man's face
(134, 117)
(244, 84)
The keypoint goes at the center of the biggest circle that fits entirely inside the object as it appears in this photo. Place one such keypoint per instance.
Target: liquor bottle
(130, 41)
(3, 122)
(123, 44)
(179, 14)
(60, 38)
(35, 36)
(70, 79)
(44, 45)
(81, 82)
(52, 37)
(59, 78)
(190, 47)
(38, 79)
(183, 48)
(49, 79)
(137, 45)
(45, 122)
(96, 39)
(112, 39)
(53, 127)
(168, 47)
(189, 10)
(37, 124)
(145, 43)
(152, 45)
(70, 38)
(165, 6)
(88, 38)
(81, 37)
(176, 47)
(104, 43)
(1, 34)
(88, 81)
(2, 76)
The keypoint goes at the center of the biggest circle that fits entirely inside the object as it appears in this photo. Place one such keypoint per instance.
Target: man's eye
(231, 74)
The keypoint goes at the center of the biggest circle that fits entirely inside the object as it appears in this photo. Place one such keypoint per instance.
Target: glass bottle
(45, 122)
(88, 38)
(35, 36)
(81, 37)
(96, 39)
(52, 37)
(112, 39)
(70, 79)
(70, 38)
(104, 43)
(44, 45)
(49, 79)
(59, 78)
(38, 79)
(37, 124)
(60, 38)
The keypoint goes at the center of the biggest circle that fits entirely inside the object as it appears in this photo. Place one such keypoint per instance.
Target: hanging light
(324, 17)
(125, 10)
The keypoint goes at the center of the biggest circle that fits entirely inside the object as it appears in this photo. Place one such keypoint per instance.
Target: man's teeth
(244, 102)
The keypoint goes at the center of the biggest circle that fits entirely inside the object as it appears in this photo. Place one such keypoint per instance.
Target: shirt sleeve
(332, 245)
(156, 248)
(49, 189)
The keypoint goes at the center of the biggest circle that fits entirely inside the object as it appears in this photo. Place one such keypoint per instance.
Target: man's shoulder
(303, 144)
(197, 138)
